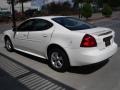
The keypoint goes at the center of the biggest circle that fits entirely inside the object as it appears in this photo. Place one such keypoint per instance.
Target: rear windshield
(73, 24)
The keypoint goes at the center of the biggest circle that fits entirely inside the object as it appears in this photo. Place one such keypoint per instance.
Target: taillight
(88, 41)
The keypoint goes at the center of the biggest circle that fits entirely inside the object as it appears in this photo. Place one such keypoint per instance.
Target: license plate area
(107, 41)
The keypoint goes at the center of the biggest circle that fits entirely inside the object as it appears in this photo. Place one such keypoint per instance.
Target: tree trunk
(22, 4)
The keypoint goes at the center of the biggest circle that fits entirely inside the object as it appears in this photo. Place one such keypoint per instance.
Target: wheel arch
(6, 36)
(51, 46)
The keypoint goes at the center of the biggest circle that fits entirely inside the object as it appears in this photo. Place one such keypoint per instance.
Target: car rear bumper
(86, 56)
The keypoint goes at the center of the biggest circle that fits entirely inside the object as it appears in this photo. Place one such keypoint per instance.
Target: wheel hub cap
(8, 45)
(56, 60)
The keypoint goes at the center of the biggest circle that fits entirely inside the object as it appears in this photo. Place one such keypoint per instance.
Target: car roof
(47, 17)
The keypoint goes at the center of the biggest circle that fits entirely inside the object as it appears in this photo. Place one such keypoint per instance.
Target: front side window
(26, 26)
(41, 24)
(72, 23)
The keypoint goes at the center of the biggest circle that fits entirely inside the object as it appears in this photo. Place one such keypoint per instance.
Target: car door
(40, 36)
(21, 35)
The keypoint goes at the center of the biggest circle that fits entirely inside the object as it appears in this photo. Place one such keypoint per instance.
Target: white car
(64, 41)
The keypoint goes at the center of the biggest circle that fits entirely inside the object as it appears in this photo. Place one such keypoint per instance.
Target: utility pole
(13, 13)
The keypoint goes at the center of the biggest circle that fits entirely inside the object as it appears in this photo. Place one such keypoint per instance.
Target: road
(103, 76)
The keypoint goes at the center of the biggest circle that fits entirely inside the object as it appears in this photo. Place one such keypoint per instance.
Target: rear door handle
(44, 35)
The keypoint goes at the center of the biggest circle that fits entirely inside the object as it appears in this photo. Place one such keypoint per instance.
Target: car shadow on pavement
(88, 69)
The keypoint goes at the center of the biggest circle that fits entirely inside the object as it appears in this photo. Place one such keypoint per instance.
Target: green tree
(107, 11)
(58, 8)
(114, 3)
(76, 3)
(99, 3)
(86, 10)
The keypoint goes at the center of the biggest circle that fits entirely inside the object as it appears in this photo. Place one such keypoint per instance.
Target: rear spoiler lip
(105, 33)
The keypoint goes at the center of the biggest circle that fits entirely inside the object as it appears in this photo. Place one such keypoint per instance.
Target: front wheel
(8, 45)
(58, 60)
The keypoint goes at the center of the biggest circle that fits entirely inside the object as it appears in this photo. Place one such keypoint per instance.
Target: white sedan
(64, 41)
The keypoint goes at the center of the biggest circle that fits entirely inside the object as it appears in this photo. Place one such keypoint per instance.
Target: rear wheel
(58, 60)
(8, 45)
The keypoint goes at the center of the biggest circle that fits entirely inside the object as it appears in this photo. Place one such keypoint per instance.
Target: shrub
(57, 8)
(107, 11)
(86, 10)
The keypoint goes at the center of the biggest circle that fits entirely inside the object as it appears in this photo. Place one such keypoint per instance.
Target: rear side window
(41, 24)
(72, 24)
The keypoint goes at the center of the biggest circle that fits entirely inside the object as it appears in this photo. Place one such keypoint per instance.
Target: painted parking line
(30, 78)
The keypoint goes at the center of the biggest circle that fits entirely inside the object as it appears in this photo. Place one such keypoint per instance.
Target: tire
(8, 45)
(58, 60)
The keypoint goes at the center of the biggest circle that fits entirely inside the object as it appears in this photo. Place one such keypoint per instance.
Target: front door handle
(24, 35)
